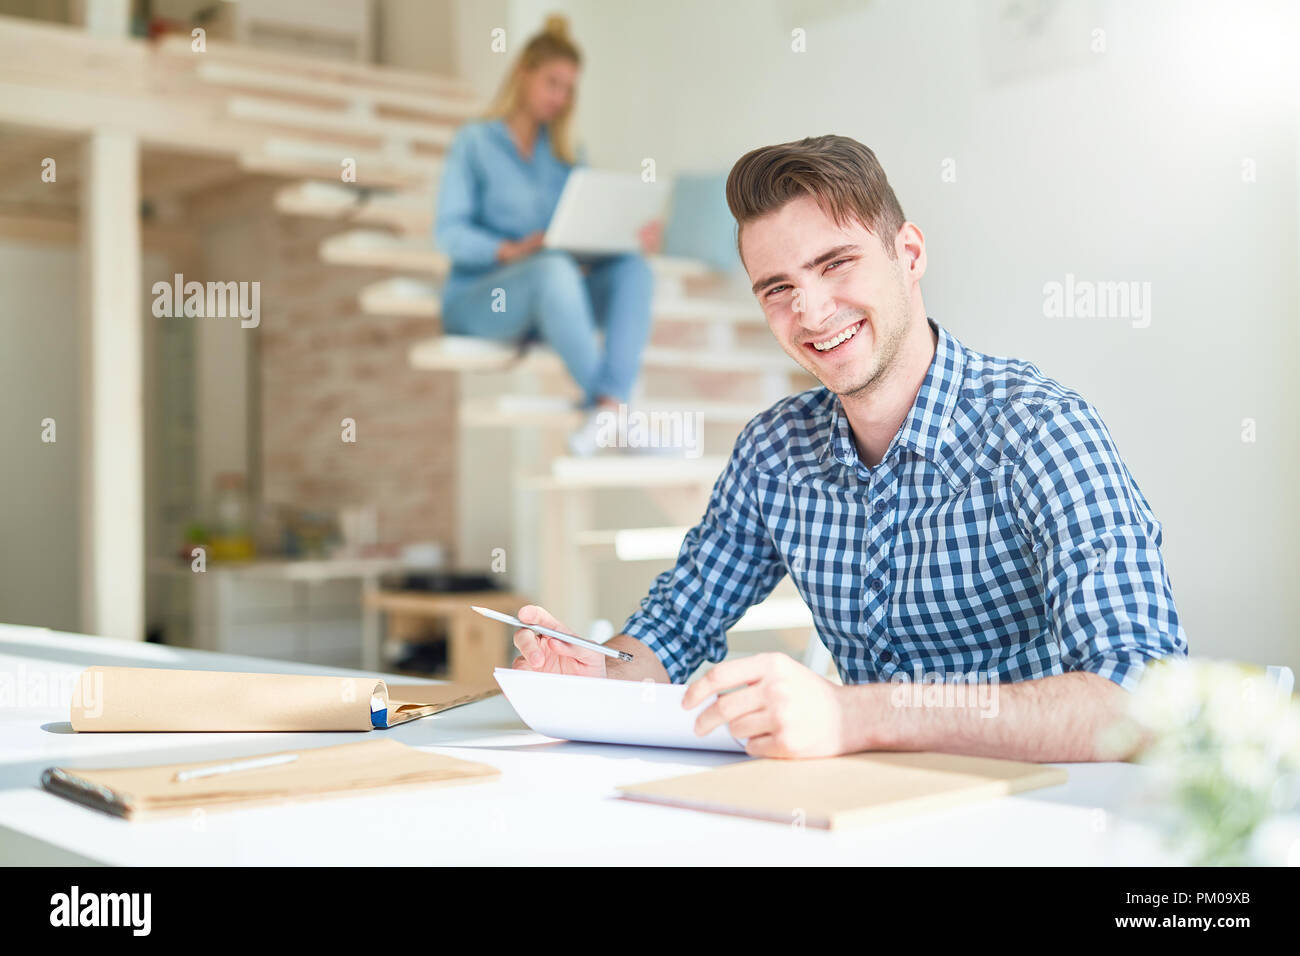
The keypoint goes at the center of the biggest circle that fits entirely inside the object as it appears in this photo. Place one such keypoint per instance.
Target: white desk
(554, 802)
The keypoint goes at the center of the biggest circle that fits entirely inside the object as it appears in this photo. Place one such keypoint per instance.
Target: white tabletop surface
(554, 803)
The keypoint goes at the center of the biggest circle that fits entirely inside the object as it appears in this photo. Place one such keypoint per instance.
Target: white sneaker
(642, 442)
(583, 442)
(606, 432)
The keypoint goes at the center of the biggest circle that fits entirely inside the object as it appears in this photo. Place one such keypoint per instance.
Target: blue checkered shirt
(1000, 538)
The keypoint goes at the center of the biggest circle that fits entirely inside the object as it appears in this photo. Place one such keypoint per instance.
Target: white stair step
(178, 47)
(426, 169)
(299, 148)
(635, 544)
(356, 96)
(412, 297)
(336, 121)
(400, 296)
(547, 411)
(382, 250)
(627, 471)
(412, 212)
(374, 244)
(280, 159)
(555, 412)
(465, 354)
(521, 411)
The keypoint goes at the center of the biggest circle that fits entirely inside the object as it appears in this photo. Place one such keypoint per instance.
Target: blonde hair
(551, 43)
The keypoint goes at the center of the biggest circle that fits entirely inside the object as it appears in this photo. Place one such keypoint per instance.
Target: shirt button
(886, 656)
(876, 584)
(880, 505)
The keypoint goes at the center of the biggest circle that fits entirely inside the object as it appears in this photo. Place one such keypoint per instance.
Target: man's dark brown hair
(840, 173)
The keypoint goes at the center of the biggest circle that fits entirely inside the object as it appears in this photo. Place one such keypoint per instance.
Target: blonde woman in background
(501, 183)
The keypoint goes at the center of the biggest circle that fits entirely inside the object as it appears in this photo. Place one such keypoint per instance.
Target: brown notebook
(840, 792)
(370, 766)
(136, 699)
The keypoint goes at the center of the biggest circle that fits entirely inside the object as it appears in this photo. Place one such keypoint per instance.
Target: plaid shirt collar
(928, 423)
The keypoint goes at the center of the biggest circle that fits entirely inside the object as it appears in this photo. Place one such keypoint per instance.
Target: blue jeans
(547, 294)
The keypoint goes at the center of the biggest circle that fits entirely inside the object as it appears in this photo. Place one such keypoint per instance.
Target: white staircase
(710, 355)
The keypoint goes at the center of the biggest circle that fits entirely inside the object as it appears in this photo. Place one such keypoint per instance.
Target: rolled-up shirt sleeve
(456, 229)
(726, 565)
(1097, 543)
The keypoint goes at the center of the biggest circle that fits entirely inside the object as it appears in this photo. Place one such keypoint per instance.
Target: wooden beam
(179, 46)
(64, 80)
(112, 474)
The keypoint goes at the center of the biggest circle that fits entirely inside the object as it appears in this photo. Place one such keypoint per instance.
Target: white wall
(415, 35)
(477, 63)
(223, 366)
(39, 485)
(40, 490)
(1120, 165)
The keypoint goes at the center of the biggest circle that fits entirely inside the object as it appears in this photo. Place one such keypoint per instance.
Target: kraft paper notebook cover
(371, 766)
(136, 699)
(840, 792)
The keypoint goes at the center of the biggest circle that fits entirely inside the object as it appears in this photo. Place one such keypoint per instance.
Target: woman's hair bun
(556, 25)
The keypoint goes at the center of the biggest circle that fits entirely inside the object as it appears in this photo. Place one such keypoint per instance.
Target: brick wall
(323, 360)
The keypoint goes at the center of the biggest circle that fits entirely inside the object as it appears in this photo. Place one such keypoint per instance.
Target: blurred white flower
(1224, 744)
(1168, 696)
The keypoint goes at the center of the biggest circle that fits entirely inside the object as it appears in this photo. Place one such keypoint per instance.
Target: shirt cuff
(470, 247)
(661, 638)
(1124, 667)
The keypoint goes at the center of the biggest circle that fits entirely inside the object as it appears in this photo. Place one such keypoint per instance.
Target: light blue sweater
(490, 193)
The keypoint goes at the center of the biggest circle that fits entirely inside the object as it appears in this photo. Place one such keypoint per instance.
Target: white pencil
(558, 635)
(233, 767)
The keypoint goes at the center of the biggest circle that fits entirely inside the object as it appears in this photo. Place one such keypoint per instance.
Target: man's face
(833, 297)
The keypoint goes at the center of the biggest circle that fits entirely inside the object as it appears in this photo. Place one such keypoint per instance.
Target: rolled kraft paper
(129, 699)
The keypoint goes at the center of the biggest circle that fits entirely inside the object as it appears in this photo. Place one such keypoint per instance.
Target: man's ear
(909, 245)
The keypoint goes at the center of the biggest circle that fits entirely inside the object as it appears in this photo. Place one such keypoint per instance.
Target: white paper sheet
(600, 710)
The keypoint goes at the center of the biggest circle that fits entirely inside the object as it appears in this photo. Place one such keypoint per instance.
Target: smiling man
(948, 516)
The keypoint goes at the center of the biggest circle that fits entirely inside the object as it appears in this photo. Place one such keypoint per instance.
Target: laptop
(600, 212)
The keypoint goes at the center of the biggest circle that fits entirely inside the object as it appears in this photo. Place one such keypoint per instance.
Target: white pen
(234, 767)
(558, 635)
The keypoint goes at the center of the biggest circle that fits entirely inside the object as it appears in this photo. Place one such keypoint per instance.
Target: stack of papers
(601, 710)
